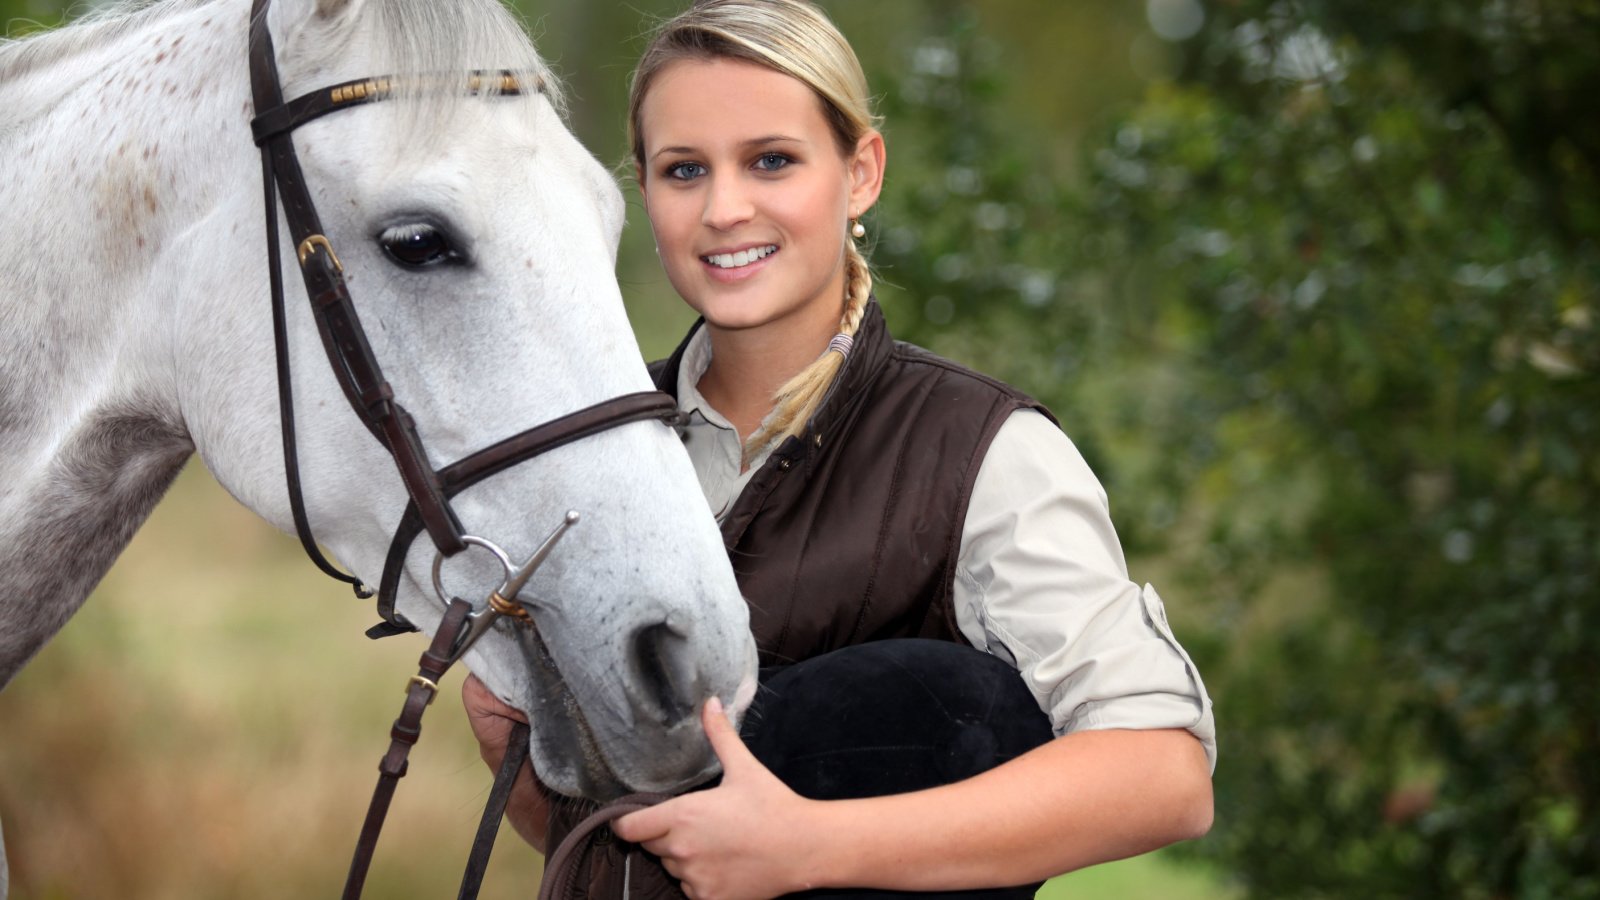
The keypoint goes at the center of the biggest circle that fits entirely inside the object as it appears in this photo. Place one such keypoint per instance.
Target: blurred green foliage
(1313, 284)
(1371, 229)
(1337, 278)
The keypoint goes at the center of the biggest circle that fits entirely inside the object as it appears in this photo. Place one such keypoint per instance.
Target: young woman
(870, 491)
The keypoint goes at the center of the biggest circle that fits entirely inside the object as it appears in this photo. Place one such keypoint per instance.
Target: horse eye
(418, 245)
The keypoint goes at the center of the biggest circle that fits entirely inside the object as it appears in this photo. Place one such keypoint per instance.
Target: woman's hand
(745, 839)
(491, 720)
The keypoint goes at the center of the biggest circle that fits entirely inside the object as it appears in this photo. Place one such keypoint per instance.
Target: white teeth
(742, 258)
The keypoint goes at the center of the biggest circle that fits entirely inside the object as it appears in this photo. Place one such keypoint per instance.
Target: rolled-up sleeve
(1041, 581)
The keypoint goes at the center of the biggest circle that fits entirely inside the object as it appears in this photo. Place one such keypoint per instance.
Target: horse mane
(412, 36)
(19, 56)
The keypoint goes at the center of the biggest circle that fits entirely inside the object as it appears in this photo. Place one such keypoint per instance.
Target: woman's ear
(866, 172)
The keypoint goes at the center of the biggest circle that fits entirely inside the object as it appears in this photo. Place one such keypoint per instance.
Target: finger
(645, 825)
(725, 740)
(668, 861)
(480, 701)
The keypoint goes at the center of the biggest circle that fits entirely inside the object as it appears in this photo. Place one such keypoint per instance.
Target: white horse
(135, 329)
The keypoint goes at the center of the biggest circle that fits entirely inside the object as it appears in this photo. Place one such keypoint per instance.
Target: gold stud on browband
(361, 90)
(379, 88)
(509, 84)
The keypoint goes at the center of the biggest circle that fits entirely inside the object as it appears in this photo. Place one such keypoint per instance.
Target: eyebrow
(753, 142)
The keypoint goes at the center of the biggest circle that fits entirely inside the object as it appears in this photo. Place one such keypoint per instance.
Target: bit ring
(506, 566)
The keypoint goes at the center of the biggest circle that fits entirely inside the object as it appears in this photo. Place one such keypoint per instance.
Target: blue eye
(685, 171)
(772, 162)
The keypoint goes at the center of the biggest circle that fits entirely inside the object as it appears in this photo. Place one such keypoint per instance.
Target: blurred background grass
(210, 725)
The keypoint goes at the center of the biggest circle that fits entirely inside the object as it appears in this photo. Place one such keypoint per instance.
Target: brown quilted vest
(849, 533)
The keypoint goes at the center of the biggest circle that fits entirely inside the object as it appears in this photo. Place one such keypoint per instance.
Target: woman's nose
(728, 204)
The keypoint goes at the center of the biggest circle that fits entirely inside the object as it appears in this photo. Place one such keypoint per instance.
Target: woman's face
(749, 196)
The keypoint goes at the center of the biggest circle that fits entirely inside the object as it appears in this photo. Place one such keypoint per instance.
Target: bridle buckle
(310, 245)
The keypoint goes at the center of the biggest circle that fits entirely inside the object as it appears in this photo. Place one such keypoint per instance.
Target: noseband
(370, 396)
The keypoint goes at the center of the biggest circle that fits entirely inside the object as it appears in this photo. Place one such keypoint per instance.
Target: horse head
(478, 239)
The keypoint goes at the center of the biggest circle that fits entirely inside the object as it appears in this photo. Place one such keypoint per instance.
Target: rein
(361, 379)
(562, 869)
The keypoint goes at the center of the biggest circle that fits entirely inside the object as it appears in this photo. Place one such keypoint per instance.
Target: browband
(286, 117)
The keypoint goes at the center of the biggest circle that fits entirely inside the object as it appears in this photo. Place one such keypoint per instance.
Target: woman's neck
(748, 366)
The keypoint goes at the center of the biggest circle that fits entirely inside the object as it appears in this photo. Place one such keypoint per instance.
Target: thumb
(724, 738)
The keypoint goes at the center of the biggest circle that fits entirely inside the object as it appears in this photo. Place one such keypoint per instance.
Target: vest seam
(912, 355)
(791, 601)
(1007, 401)
(883, 528)
(766, 480)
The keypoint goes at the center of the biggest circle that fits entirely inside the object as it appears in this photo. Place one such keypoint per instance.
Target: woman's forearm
(1082, 799)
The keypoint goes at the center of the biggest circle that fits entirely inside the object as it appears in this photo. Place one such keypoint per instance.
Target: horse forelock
(441, 42)
(425, 36)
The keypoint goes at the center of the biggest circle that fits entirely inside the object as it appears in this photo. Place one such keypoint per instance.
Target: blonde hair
(796, 39)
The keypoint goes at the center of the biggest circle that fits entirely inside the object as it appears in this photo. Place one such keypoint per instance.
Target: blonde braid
(796, 402)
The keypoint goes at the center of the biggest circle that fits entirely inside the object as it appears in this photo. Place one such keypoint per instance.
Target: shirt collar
(873, 346)
(695, 358)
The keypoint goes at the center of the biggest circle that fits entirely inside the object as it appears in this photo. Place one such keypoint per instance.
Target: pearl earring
(857, 230)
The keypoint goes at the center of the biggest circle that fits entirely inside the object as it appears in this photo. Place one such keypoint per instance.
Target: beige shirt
(1040, 579)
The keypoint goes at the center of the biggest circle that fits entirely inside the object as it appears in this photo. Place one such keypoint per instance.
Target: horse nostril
(667, 674)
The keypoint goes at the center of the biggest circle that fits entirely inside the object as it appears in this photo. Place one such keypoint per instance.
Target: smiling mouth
(741, 259)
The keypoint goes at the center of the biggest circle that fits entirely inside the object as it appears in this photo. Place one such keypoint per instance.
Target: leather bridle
(370, 396)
